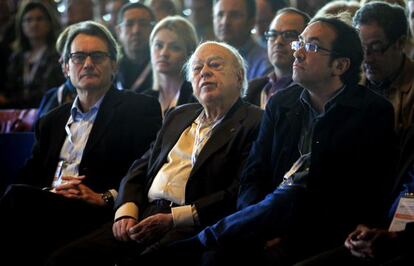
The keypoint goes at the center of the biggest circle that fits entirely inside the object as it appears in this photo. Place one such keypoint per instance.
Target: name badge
(404, 213)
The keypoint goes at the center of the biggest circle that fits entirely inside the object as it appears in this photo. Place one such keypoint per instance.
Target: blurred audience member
(336, 7)
(265, 13)
(162, 8)
(284, 29)
(65, 93)
(383, 30)
(7, 35)
(401, 3)
(110, 15)
(310, 6)
(200, 13)
(77, 11)
(34, 66)
(172, 42)
(233, 22)
(135, 22)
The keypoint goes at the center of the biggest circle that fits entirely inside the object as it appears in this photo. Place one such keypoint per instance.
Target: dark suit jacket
(186, 94)
(255, 88)
(213, 182)
(125, 126)
(353, 154)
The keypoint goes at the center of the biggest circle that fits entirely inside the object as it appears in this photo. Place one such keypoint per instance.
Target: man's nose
(88, 62)
(205, 72)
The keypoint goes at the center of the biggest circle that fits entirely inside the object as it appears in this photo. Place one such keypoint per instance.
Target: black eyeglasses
(79, 58)
(309, 47)
(376, 48)
(288, 35)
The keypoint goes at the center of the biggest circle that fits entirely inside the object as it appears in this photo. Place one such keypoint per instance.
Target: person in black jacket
(81, 153)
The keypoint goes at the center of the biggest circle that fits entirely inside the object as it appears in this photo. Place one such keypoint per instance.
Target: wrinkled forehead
(207, 52)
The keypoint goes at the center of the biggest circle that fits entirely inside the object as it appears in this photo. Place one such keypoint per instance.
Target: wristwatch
(108, 198)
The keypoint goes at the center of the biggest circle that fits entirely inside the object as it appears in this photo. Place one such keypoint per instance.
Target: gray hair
(94, 29)
(240, 65)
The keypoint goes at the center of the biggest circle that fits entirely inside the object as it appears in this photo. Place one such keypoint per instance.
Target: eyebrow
(374, 42)
(209, 59)
(310, 39)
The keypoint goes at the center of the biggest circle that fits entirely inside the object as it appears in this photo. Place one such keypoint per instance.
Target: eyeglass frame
(274, 34)
(307, 45)
(96, 60)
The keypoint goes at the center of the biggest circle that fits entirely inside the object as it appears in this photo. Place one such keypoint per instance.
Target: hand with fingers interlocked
(73, 188)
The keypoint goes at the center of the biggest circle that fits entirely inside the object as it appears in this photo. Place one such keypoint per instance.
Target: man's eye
(196, 69)
(79, 57)
(215, 64)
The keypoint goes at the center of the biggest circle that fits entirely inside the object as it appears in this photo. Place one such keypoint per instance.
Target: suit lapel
(222, 133)
(59, 135)
(103, 119)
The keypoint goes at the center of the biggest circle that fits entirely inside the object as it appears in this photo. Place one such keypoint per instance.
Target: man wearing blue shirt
(82, 151)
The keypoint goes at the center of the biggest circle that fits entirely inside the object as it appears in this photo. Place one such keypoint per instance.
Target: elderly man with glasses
(322, 162)
(383, 29)
(285, 28)
(82, 151)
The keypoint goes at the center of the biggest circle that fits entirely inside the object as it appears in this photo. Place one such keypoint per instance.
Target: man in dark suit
(82, 151)
(374, 246)
(190, 177)
(322, 162)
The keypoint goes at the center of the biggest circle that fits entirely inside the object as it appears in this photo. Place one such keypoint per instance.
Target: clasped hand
(371, 243)
(146, 232)
(73, 188)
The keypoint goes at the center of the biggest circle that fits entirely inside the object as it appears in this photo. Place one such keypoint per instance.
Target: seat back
(17, 120)
(15, 149)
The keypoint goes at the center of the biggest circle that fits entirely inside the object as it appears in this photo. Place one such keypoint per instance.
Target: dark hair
(128, 6)
(250, 8)
(304, 15)
(391, 18)
(94, 29)
(346, 44)
(276, 4)
(22, 42)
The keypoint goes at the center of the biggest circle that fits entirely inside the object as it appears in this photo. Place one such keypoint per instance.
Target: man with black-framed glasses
(285, 28)
(383, 29)
(81, 153)
(322, 162)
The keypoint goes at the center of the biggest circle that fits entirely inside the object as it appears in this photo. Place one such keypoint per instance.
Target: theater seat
(15, 149)
(17, 120)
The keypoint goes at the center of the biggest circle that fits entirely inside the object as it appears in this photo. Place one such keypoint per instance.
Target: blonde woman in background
(172, 41)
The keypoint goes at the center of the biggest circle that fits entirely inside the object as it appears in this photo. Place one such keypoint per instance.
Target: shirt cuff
(114, 193)
(129, 209)
(184, 215)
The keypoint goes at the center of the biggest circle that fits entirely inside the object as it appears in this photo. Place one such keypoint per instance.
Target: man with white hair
(190, 177)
